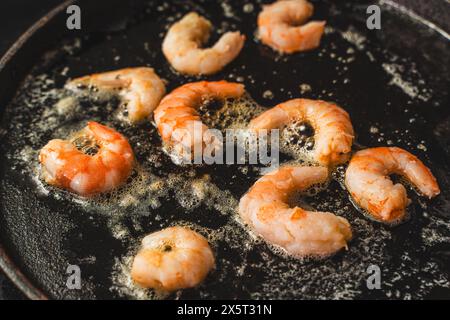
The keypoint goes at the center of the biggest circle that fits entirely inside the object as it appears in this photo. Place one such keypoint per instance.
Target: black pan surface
(394, 83)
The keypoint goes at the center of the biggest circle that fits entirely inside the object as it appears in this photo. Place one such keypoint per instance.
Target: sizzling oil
(385, 92)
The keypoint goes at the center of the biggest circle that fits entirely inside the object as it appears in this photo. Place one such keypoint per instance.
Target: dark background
(16, 16)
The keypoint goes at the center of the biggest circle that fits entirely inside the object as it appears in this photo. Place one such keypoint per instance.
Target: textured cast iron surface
(44, 234)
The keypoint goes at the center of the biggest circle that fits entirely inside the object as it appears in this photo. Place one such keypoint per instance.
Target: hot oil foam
(232, 233)
(275, 274)
(149, 188)
(233, 114)
(142, 195)
(297, 142)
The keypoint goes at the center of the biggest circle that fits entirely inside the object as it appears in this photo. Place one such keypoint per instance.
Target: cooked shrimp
(367, 180)
(172, 259)
(333, 131)
(139, 88)
(97, 159)
(178, 121)
(300, 232)
(181, 46)
(281, 26)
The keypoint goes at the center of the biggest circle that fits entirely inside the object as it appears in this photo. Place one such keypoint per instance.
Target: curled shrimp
(333, 131)
(97, 159)
(172, 259)
(178, 121)
(181, 46)
(281, 26)
(140, 89)
(367, 179)
(301, 233)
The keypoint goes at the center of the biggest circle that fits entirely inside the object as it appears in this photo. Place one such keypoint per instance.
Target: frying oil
(160, 194)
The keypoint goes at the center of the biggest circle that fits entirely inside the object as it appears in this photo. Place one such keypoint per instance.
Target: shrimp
(181, 46)
(300, 232)
(281, 26)
(178, 121)
(140, 89)
(97, 159)
(367, 180)
(333, 131)
(172, 259)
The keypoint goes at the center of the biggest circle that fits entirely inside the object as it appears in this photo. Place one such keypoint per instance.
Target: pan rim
(7, 266)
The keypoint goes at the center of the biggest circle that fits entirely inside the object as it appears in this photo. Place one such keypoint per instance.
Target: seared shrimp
(178, 121)
(97, 159)
(281, 26)
(333, 131)
(181, 46)
(172, 259)
(139, 88)
(367, 180)
(300, 232)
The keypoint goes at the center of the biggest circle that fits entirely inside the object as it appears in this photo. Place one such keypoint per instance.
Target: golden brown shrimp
(177, 119)
(367, 180)
(181, 46)
(281, 26)
(97, 159)
(139, 88)
(172, 259)
(300, 232)
(333, 131)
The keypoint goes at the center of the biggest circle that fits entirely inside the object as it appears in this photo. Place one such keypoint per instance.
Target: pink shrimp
(97, 159)
(172, 259)
(181, 46)
(140, 89)
(300, 232)
(281, 26)
(367, 180)
(177, 119)
(333, 130)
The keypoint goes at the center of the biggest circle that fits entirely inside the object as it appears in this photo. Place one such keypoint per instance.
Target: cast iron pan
(394, 83)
